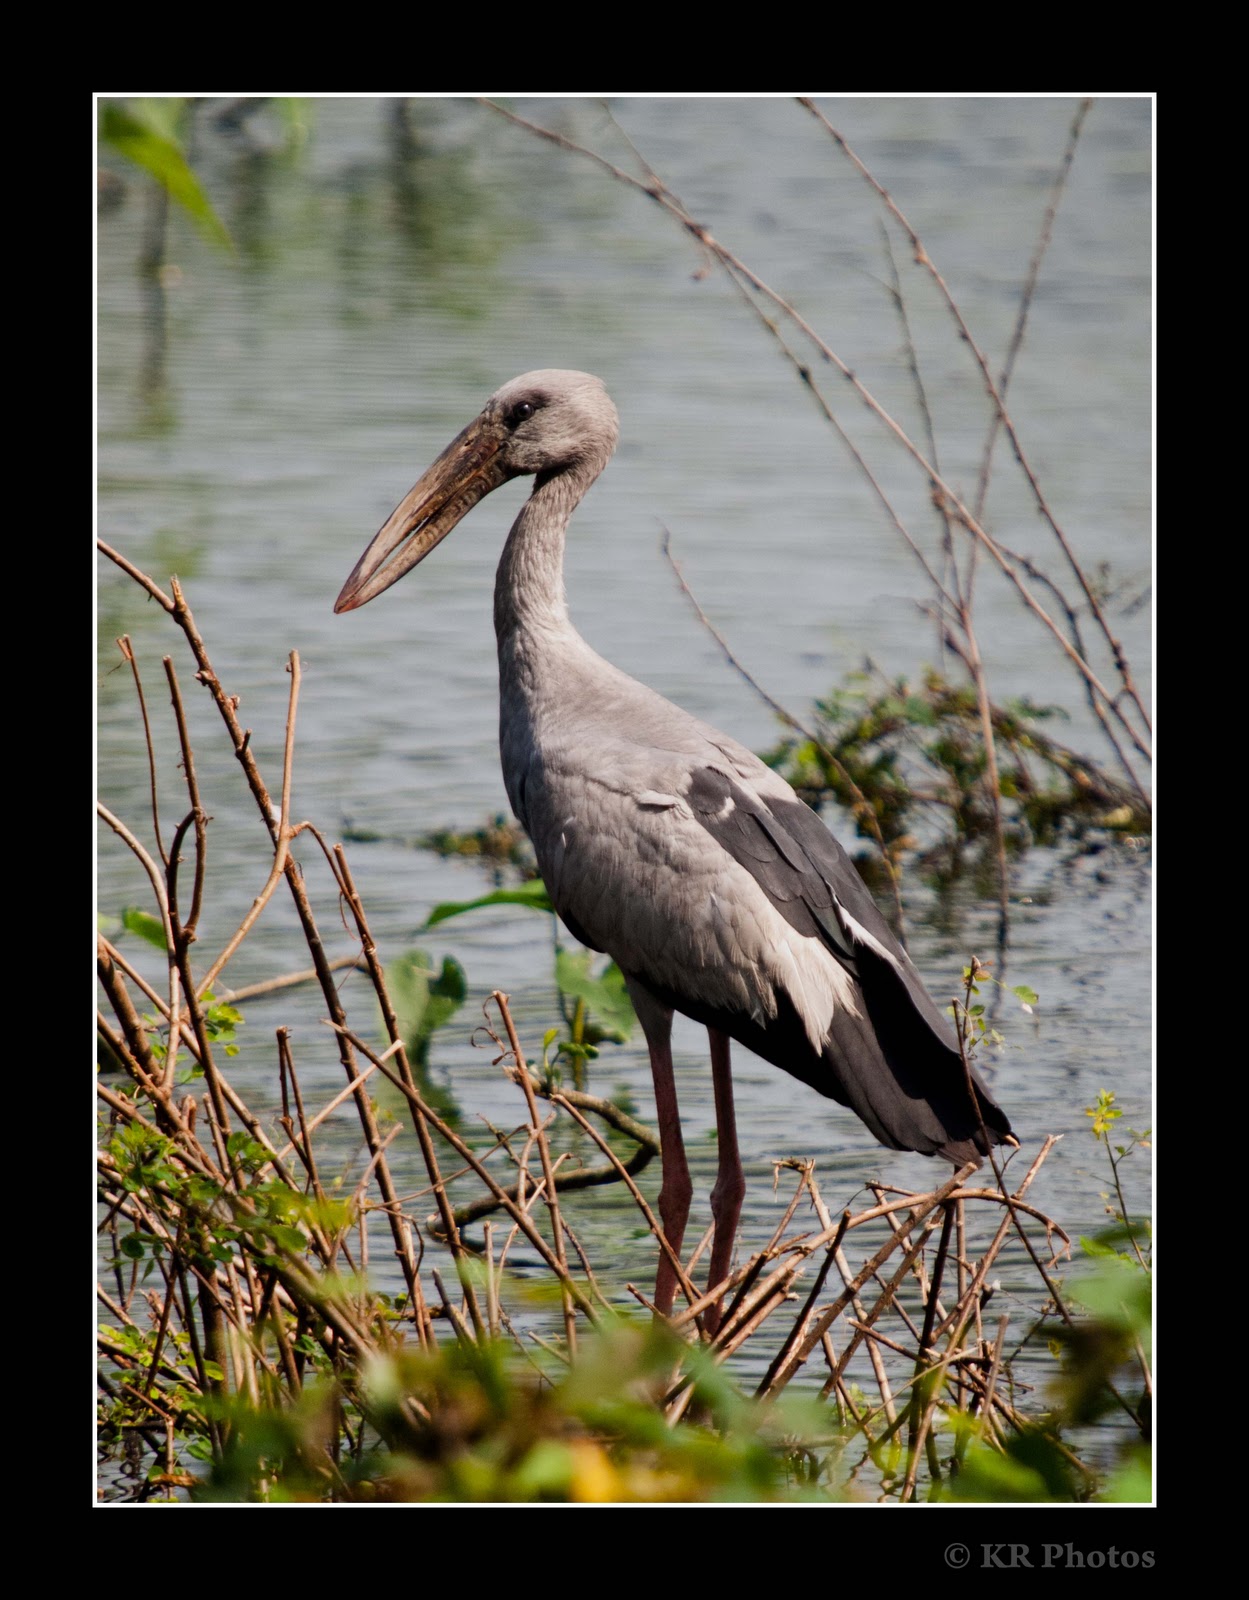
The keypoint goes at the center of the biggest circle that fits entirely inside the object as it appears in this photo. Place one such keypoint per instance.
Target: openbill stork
(672, 847)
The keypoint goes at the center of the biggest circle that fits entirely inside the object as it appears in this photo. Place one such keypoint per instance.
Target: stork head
(546, 422)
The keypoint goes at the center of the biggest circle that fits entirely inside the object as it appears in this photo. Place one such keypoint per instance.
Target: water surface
(385, 283)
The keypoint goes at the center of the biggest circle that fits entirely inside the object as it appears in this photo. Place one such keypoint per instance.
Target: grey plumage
(699, 871)
(662, 841)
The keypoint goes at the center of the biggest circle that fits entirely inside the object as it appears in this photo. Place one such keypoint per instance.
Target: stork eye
(520, 412)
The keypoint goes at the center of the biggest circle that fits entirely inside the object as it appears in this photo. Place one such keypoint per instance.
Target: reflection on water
(394, 270)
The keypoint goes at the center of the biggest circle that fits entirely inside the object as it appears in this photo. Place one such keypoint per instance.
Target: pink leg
(676, 1189)
(730, 1189)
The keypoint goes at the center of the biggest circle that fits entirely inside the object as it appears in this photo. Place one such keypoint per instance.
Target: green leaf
(532, 894)
(545, 1473)
(424, 1002)
(585, 1052)
(605, 995)
(145, 925)
(1118, 1293)
(143, 134)
(1104, 1113)
(1031, 1469)
(1117, 1239)
(161, 115)
(1133, 1481)
(296, 113)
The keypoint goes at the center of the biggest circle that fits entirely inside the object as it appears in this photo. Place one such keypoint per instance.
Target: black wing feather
(896, 1063)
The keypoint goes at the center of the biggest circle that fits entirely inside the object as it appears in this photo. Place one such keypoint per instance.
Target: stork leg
(676, 1189)
(730, 1187)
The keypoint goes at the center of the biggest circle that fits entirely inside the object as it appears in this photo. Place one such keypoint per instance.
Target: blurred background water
(393, 266)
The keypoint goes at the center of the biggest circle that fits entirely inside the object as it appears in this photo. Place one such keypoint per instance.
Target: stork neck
(529, 592)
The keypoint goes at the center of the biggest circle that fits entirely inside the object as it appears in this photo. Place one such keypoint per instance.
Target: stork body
(670, 846)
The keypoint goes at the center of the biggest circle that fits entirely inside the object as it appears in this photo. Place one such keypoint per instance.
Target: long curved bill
(468, 469)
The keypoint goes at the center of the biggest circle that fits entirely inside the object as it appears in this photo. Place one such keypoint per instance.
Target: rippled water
(382, 289)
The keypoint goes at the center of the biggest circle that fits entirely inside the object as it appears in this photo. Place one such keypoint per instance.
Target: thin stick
(339, 1099)
(162, 1326)
(285, 834)
(267, 986)
(127, 650)
(995, 1366)
(492, 1284)
(652, 1222)
(342, 872)
(1027, 292)
(544, 1152)
(155, 875)
(831, 1313)
(197, 809)
(302, 1145)
(509, 1205)
(800, 1322)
